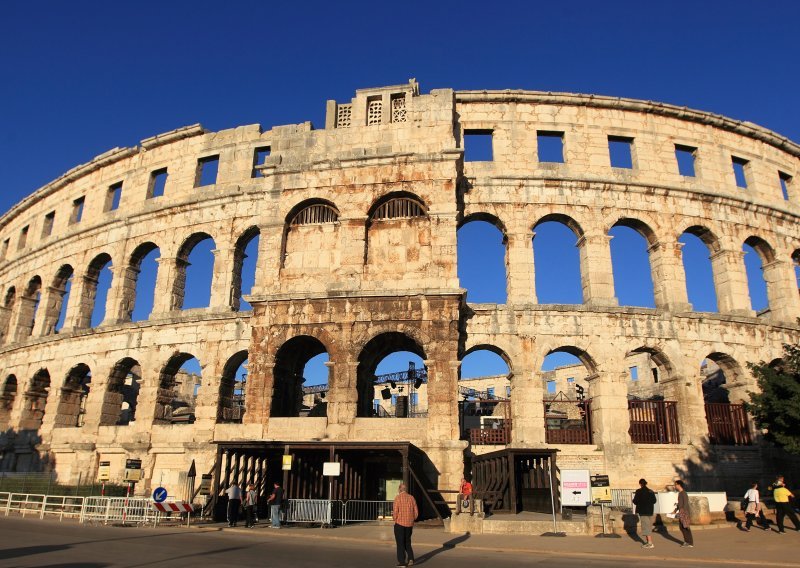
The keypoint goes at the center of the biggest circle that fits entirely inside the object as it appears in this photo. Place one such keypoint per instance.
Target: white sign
(575, 488)
(331, 469)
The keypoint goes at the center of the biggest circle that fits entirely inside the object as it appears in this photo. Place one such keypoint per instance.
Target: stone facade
(357, 228)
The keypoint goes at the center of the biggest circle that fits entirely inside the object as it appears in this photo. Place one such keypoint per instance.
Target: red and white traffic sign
(176, 507)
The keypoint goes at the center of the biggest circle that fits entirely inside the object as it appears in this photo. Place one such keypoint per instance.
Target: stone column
(784, 300)
(686, 389)
(597, 277)
(260, 381)
(166, 294)
(79, 312)
(730, 281)
(122, 295)
(609, 407)
(5, 323)
(442, 398)
(94, 406)
(527, 395)
(267, 279)
(669, 276)
(206, 403)
(222, 281)
(342, 397)
(23, 324)
(520, 270)
(48, 312)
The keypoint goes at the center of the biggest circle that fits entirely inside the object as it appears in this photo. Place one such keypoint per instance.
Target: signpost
(160, 495)
(286, 464)
(601, 494)
(575, 488)
(103, 475)
(133, 473)
(331, 470)
(205, 484)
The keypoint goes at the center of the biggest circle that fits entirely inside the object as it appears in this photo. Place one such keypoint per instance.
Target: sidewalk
(728, 545)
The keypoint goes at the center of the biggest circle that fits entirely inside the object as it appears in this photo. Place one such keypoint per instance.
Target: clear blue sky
(80, 78)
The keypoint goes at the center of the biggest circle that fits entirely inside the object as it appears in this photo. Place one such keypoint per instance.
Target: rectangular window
(23, 237)
(686, 156)
(158, 181)
(113, 196)
(620, 152)
(785, 181)
(508, 392)
(550, 146)
(207, 169)
(77, 211)
(551, 387)
(571, 380)
(259, 157)
(634, 373)
(374, 110)
(376, 404)
(394, 400)
(490, 392)
(4, 249)
(49, 221)
(478, 146)
(739, 167)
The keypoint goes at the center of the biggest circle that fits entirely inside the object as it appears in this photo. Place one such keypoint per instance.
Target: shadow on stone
(449, 545)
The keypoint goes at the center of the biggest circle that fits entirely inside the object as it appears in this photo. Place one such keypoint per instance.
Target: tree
(776, 408)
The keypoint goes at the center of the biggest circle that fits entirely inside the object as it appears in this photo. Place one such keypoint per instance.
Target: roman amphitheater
(357, 229)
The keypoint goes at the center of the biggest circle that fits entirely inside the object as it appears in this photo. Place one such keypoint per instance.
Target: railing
(85, 509)
(653, 422)
(486, 436)
(622, 498)
(568, 421)
(311, 511)
(327, 512)
(363, 511)
(728, 424)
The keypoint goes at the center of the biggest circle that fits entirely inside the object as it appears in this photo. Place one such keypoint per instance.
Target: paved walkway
(727, 545)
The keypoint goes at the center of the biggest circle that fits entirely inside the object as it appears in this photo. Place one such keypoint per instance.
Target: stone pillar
(597, 276)
(5, 322)
(23, 327)
(94, 406)
(669, 276)
(79, 312)
(122, 295)
(260, 382)
(730, 281)
(520, 270)
(222, 281)
(166, 296)
(686, 389)
(784, 300)
(48, 312)
(342, 397)
(267, 279)
(609, 407)
(442, 398)
(206, 403)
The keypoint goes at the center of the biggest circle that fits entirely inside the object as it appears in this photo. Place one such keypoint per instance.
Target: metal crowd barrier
(361, 511)
(326, 512)
(135, 510)
(622, 498)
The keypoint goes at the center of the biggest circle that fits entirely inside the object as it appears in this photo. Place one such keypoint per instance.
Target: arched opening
(245, 260)
(630, 261)
(56, 309)
(484, 390)
(648, 370)
(384, 367)
(796, 264)
(72, 405)
(35, 401)
(29, 307)
(195, 268)
(122, 394)
(140, 285)
(757, 254)
(178, 385)
(6, 314)
(398, 234)
(291, 362)
(97, 284)
(232, 389)
(316, 386)
(724, 390)
(567, 398)
(7, 397)
(699, 244)
(557, 261)
(482, 260)
(652, 408)
(310, 239)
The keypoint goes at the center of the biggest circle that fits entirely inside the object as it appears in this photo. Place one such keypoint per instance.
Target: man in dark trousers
(234, 503)
(645, 501)
(275, 500)
(404, 513)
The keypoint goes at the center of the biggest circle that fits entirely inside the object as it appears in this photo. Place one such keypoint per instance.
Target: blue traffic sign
(160, 495)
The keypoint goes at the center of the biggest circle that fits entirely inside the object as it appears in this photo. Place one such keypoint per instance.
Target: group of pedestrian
(645, 500)
(247, 499)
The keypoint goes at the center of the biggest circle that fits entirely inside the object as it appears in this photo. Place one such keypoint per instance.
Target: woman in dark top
(683, 515)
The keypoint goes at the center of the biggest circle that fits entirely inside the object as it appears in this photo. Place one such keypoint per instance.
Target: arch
(649, 369)
(139, 283)
(310, 237)
(758, 254)
(582, 355)
(725, 383)
(122, 393)
(484, 373)
(556, 253)
(74, 393)
(6, 315)
(373, 352)
(7, 397)
(702, 268)
(397, 205)
(56, 308)
(796, 265)
(631, 262)
(391, 220)
(482, 261)
(29, 307)
(312, 212)
(244, 267)
(177, 391)
(288, 379)
(492, 349)
(196, 266)
(490, 218)
(231, 407)
(35, 401)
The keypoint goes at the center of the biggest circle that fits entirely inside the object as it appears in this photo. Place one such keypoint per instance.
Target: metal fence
(85, 509)
(45, 483)
(327, 512)
(361, 511)
(622, 498)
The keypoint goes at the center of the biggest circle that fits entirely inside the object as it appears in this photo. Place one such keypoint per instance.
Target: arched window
(232, 389)
(139, 286)
(6, 314)
(398, 237)
(97, 282)
(482, 261)
(122, 394)
(7, 397)
(398, 208)
(291, 363)
(35, 401)
(178, 386)
(195, 273)
(567, 396)
(29, 307)
(310, 244)
(245, 261)
(796, 264)
(698, 246)
(630, 260)
(557, 261)
(72, 406)
(757, 254)
(315, 214)
(56, 310)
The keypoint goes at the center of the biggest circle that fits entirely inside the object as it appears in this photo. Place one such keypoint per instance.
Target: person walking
(752, 507)
(250, 501)
(645, 500)
(234, 503)
(465, 496)
(275, 500)
(404, 513)
(683, 515)
(783, 507)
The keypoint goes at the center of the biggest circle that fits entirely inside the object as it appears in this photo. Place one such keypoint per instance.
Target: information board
(575, 488)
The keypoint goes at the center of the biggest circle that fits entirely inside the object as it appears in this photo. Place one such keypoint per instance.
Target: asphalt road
(50, 544)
